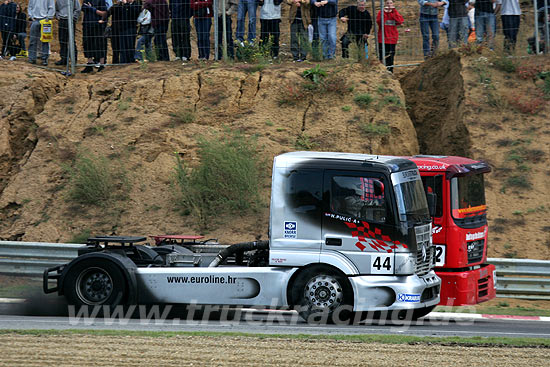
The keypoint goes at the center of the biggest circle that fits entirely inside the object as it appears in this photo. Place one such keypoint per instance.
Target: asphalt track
(17, 316)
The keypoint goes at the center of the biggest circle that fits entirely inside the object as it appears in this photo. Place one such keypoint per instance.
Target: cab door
(358, 220)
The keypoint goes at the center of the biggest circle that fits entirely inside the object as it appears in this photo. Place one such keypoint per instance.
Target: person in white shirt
(510, 16)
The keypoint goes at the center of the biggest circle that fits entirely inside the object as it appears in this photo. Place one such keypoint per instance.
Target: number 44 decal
(381, 264)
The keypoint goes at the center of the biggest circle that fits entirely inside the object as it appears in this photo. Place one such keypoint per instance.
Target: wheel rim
(94, 286)
(323, 292)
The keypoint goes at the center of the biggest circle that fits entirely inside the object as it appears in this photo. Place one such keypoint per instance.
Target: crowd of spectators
(133, 26)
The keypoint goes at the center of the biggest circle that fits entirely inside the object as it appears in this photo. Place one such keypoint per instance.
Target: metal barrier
(522, 278)
(516, 278)
(32, 258)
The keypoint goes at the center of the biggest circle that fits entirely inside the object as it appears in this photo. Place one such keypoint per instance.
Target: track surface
(283, 323)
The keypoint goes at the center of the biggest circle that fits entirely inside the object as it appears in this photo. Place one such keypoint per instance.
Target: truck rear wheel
(323, 295)
(95, 283)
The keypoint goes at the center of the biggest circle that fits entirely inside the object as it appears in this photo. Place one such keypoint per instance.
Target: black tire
(95, 282)
(322, 295)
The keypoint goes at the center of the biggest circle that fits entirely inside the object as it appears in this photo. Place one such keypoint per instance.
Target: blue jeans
(202, 26)
(143, 43)
(485, 24)
(246, 6)
(458, 31)
(34, 40)
(427, 23)
(327, 35)
(22, 37)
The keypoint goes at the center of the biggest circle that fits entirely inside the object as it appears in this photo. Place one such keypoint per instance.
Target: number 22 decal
(382, 264)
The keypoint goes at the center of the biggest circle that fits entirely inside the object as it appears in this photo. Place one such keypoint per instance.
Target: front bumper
(467, 287)
(408, 292)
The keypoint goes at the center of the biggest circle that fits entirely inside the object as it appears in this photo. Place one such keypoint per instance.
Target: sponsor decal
(431, 168)
(475, 236)
(436, 229)
(277, 260)
(291, 230)
(210, 279)
(372, 237)
(404, 297)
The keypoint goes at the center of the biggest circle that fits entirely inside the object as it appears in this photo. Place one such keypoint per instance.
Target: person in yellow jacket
(299, 18)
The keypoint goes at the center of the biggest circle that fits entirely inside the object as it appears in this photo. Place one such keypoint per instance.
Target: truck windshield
(467, 196)
(411, 199)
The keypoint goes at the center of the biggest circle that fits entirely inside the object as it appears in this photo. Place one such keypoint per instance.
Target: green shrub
(226, 180)
(315, 74)
(183, 116)
(81, 237)
(363, 100)
(303, 141)
(375, 129)
(504, 63)
(94, 180)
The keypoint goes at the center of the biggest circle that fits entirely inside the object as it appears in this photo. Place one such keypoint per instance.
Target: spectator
(485, 21)
(472, 20)
(93, 30)
(392, 19)
(62, 15)
(146, 31)
(299, 17)
(8, 11)
(327, 10)
(21, 31)
(444, 24)
(359, 24)
(246, 6)
(428, 22)
(510, 15)
(39, 10)
(124, 15)
(202, 16)
(181, 13)
(231, 7)
(458, 23)
(270, 17)
(160, 19)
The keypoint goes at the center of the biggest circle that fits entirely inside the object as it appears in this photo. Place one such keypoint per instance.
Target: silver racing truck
(347, 233)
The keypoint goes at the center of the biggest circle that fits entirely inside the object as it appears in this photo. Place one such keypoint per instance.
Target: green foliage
(253, 52)
(183, 116)
(315, 74)
(303, 142)
(226, 180)
(504, 63)
(95, 180)
(346, 108)
(519, 181)
(373, 130)
(81, 237)
(363, 100)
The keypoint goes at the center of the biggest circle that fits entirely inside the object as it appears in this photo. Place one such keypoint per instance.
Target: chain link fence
(100, 33)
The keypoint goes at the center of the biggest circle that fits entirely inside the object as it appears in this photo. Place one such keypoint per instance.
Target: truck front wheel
(323, 295)
(95, 283)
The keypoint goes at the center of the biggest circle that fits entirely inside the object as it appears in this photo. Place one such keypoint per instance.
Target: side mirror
(378, 188)
(432, 199)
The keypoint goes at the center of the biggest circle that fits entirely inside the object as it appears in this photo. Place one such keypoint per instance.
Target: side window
(434, 184)
(355, 196)
(304, 190)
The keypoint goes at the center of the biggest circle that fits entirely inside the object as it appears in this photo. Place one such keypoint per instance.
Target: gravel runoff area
(132, 350)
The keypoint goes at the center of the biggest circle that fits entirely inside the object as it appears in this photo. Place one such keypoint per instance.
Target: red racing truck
(459, 227)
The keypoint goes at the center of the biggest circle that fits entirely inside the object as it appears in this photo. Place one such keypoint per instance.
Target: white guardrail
(516, 278)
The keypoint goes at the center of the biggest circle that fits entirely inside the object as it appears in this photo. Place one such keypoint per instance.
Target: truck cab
(459, 227)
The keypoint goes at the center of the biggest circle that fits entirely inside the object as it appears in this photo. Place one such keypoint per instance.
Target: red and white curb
(479, 316)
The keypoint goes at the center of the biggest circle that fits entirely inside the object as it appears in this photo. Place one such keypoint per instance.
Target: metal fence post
(224, 34)
(70, 24)
(383, 46)
(216, 25)
(547, 27)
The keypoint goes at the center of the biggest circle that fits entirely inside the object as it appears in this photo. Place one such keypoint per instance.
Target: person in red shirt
(202, 17)
(392, 19)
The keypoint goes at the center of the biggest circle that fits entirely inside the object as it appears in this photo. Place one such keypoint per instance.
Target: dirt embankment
(85, 350)
(133, 116)
(127, 115)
